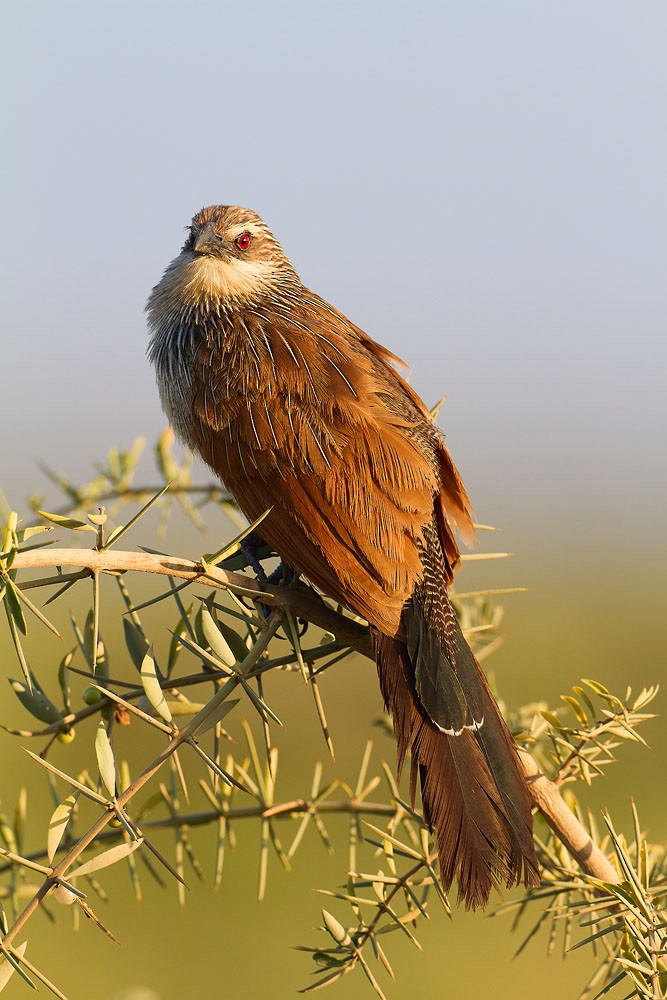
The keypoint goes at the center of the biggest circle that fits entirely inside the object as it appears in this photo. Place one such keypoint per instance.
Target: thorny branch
(352, 633)
(545, 794)
(178, 737)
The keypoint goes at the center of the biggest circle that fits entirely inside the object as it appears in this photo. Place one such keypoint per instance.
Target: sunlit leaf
(58, 824)
(216, 639)
(7, 968)
(151, 686)
(105, 759)
(105, 859)
(66, 522)
(336, 929)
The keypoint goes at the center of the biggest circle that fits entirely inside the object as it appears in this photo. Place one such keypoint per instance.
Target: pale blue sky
(479, 185)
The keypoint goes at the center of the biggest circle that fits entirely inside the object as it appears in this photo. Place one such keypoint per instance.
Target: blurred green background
(481, 187)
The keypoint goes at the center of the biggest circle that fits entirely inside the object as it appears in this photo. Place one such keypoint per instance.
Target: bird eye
(243, 241)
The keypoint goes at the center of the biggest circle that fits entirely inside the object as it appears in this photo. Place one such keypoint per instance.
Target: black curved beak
(207, 241)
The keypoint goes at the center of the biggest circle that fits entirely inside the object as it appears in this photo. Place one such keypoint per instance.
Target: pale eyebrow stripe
(244, 227)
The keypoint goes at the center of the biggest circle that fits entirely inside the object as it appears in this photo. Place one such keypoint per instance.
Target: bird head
(229, 259)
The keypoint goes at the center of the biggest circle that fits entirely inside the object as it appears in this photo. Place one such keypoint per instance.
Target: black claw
(249, 551)
(282, 574)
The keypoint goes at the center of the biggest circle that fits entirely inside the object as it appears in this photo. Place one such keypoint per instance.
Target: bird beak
(206, 241)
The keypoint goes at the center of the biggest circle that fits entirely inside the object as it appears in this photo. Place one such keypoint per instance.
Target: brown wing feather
(452, 504)
(350, 490)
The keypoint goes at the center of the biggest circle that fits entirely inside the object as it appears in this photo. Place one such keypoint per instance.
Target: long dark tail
(473, 791)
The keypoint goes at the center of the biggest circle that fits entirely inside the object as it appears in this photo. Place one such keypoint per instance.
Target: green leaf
(331, 977)
(66, 522)
(105, 759)
(598, 688)
(553, 720)
(151, 686)
(106, 858)
(86, 640)
(336, 929)
(216, 639)
(23, 534)
(136, 642)
(58, 824)
(218, 715)
(24, 599)
(235, 641)
(63, 678)
(99, 520)
(579, 713)
(9, 966)
(175, 646)
(35, 701)
(13, 631)
(13, 605)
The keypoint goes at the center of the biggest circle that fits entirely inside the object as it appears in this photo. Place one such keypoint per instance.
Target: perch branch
(545, 794)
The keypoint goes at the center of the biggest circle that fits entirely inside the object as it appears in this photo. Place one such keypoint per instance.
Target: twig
(112, 561)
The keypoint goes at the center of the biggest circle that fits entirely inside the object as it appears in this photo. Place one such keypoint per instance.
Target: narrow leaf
(151, 685)
(119, 532)
(7, 969)
(10, 965)
(336, 929)
(105, 759)
(13, 605)
(218, 715)
(136, 642)
(58, 824)
(216, 639)
(37, 613)
(212, 559)
(107, 858)
(35, 701)
(13, 631)
(66, 522)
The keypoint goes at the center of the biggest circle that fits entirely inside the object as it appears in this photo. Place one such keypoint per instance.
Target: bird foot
(249, 551)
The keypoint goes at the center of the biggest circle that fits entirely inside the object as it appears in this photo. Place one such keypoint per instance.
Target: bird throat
(212, 280)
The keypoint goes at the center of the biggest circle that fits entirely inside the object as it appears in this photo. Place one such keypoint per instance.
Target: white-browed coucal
(296, 409)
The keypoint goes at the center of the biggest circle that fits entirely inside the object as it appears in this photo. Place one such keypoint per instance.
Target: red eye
(243, 241)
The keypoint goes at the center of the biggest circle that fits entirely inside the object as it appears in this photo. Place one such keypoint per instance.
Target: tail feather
(473, 792)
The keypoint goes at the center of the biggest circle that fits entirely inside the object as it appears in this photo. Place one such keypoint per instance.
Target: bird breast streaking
(296, 409)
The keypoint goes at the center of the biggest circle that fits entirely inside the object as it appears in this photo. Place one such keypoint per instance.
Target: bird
(297, 409)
